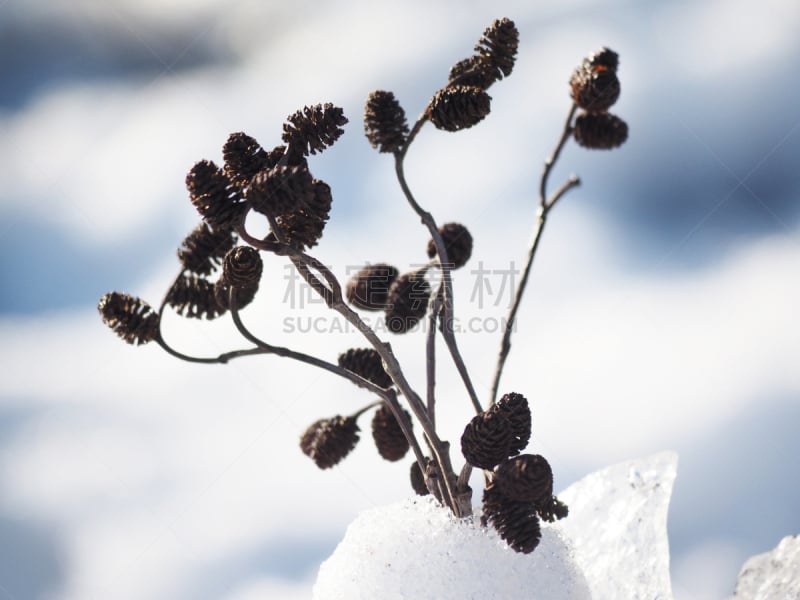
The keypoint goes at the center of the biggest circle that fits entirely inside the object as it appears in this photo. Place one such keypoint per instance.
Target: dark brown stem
(443, 261)
(545, 205)
(430, 354)
(332, 294)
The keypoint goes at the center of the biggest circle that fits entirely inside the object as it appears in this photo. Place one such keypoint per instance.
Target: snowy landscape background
(661, 313)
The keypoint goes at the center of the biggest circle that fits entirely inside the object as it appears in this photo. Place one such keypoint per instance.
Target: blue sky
(661, 313)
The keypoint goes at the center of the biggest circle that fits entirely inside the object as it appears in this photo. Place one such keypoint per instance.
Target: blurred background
(661, 312)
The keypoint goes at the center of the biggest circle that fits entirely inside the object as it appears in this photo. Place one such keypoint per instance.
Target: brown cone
(486, 441)
(328, 441)
(389, 438)
(129, 317)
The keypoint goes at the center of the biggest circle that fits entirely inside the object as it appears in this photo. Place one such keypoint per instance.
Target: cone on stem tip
(407, 302)
(242, 267)
(486, 441)
(594, 85)
(472, 71)
(328, 441)
(385, 122)
(602, 131)
(458, 107)
(204, 248)
(514, 407)
(457, 242)
(314, 128)
(131, 318)
(369, 287)
(497, 48)
(367, 363)
(214, 195)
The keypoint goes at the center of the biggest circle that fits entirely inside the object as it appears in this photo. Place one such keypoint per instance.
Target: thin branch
(430, 354)
(443, 262)
(545, 205)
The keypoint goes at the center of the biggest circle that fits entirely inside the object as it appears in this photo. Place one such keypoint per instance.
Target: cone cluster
(595, 87)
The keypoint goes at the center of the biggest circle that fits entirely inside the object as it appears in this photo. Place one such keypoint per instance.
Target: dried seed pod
(406, 302)
(418, 480)
(385, 122)
(281, 190)
(244, 157)
(497, 47)
(515, 522)
(389, 438)
(552, 509)
(204, 248)
(594, 88)
(299, 229)
(214, 196)
(486, 441)
(244, 295)
(328, 441)
(602, 131)
(457, 242)
(514, 407)
(131, 318)
(458, 107)
(242, 267)
(367, 363)
(193, 297)
(525, 478)
(314, 128)
(472, 71)
(369, 287)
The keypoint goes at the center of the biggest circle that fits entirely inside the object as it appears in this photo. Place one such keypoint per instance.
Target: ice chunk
(617, 526)
(417, 550)
(773, 575)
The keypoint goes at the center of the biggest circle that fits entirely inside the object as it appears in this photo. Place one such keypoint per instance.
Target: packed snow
(613, 545)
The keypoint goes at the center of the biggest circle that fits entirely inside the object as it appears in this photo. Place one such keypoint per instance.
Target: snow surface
(614, 543)
(772, 575)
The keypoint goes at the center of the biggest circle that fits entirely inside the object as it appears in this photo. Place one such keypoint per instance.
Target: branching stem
(545, 205)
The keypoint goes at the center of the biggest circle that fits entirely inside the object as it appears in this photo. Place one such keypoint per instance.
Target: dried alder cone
(385, 122)
(328, 441)
(407, 302)
(242, 267)
(366, 363)
(314, 128)
(194, 298)
(129, 317)
(204, 248)
(457, 243)
(389, 438)
(602, 131)
(214, 195)
(368, 289)
(459, 107)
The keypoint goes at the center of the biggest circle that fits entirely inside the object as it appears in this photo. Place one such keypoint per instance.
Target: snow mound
(614, 543)
(417, 550)
(772, 575)
(617, 525)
